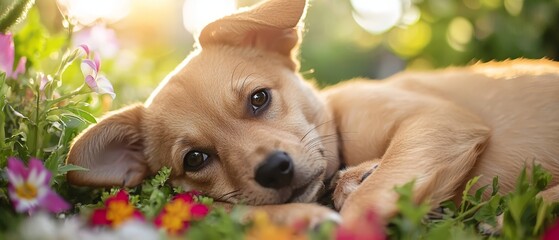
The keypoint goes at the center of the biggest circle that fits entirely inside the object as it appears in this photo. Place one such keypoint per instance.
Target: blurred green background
(148, 38)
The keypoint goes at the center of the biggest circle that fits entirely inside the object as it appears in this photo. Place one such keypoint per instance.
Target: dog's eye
(194, 160)
(259, 99)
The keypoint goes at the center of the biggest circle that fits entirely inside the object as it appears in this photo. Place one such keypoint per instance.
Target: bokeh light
(198, 13)
(377, 16)
(459, 33)
(88, 12)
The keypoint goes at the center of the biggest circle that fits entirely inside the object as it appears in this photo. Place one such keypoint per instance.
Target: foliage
(447, 33)
(14, 13)
(525, 215)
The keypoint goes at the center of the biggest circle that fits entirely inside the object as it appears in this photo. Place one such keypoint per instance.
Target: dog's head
(235, 120)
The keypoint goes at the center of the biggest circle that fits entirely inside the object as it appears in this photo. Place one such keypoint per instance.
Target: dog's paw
(349, 179)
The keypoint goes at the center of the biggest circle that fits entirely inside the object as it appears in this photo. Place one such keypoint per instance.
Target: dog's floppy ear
(112, 150)
(272, 25)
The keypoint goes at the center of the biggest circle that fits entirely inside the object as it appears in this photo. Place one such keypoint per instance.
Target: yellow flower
(263, 228)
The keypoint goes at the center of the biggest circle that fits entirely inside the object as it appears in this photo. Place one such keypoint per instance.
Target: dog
(237, 122)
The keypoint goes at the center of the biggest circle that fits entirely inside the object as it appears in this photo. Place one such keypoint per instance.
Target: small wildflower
(83, 51)
(263, 228)
(552, 232)
(7, 57)
(117, 210)
(29, 187)
(44, 80)
(367, 227)
(176, 216)
(98, 83)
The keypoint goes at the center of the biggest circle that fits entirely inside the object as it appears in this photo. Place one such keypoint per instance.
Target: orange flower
(117, 210)
(177, 214)
(263, 228)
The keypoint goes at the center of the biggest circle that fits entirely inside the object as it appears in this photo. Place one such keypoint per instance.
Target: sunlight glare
(87, 12)
(198, 13)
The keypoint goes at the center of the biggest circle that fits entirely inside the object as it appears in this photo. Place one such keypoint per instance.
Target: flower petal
(199, 211)
(91, 83)
(158, 221)
(187, 197)
(121, 195)
(89, 68)
(138, 215)
(97, 61)
(105, 86)
(99, 217)
(44, 80)
(6, 53)
(17, 168)
(20, 69)
(83, 51)
(36, 164)
(54, 203)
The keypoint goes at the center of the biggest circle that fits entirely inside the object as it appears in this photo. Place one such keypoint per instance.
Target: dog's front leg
(289, 214)
(436, 148)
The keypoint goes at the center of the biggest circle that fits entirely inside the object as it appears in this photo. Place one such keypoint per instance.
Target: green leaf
(14, 14)
(71, 167)
(465, 193)
(495, 186)
(83, 114)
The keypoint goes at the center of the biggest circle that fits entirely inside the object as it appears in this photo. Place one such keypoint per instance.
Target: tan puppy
(236, 121)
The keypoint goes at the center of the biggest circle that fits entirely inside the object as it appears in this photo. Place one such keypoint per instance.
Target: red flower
(117, 210)
(177, 214)
(552, 232)
(367, 227)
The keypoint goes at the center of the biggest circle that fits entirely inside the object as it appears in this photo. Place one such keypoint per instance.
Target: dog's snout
(276, 171)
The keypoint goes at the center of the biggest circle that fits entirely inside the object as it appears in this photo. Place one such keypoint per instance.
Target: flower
(7, 56)
(117, 210)
(368, 227)
(263, 228)
(177, 214)
(45, 227)
(552, 232)
(83, 51)
(29, 187)
(98, 83)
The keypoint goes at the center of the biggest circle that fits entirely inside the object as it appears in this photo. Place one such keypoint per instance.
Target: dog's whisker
(313, 128)
(227, 194)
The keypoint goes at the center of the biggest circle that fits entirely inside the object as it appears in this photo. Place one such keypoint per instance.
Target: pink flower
(117, 211)
(29, 187)
(7, 56)
(44, 79)
(552, 232)
(98, 83)
(368, 227)
(83, 51)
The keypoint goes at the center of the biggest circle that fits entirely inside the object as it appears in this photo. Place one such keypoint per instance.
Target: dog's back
(518, 100)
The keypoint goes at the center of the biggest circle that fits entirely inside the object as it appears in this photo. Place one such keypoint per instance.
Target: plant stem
(37, 125)
(2, 126)
(78, 91)
(470, 211)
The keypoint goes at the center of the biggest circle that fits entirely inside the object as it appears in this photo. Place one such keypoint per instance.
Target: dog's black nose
(276, 171)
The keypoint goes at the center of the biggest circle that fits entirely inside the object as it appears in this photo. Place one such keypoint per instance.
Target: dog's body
(443, 128)
(238, 122)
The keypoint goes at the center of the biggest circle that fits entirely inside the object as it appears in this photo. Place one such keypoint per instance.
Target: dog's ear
(273, 25)
(112, 150)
